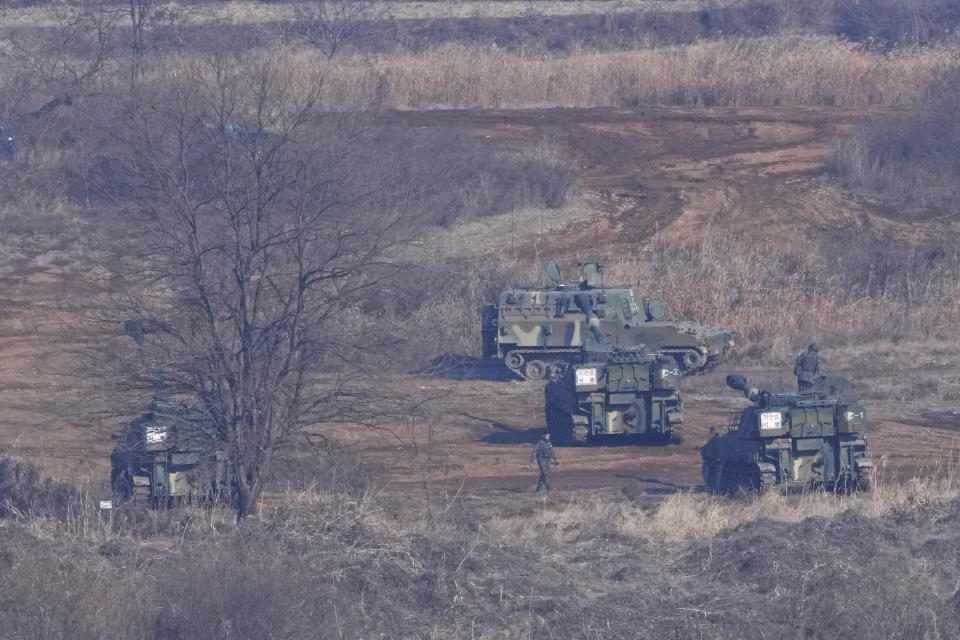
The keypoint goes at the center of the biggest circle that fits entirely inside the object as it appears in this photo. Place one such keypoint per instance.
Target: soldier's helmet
(812, 347)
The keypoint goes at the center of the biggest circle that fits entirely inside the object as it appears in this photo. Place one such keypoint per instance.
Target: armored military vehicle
(168, 455)
(811, 439)
(615, 393)
(534, 329)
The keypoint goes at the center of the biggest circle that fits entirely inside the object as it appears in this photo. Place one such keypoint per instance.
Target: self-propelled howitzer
(536, 329)
(168, 455)
(614, 393)
(814, 439)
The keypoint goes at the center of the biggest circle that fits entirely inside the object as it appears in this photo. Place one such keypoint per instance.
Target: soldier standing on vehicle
(807, 368)
(544, 455)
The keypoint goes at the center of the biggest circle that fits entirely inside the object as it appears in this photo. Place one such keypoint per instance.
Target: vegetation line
(772, 71)
(259, 13)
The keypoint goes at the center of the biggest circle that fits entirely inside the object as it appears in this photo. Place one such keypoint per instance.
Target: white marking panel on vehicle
(155, 435)
(771, 420)
(586, 376)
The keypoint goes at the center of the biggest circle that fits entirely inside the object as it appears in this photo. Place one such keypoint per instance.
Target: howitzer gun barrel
(739, 383)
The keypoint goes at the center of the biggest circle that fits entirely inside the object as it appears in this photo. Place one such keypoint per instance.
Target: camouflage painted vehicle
(534, 329)
(815, 439)
(616, 393)
(168, 456)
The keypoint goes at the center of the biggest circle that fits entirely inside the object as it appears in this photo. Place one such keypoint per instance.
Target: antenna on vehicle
(552, 269)
(540, 246)
(513, 231)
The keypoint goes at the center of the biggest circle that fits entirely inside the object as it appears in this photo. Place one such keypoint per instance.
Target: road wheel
(558, 368)
(514, 360)
(694, 360)
(535, 370)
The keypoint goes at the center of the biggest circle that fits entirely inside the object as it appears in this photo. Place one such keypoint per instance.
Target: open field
(669, 174)
(783, 171)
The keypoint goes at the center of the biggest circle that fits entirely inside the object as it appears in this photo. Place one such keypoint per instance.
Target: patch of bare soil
(692, 172)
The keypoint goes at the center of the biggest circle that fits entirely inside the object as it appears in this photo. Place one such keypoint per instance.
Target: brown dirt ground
(696, 172)
(479, 435)
(687, 173)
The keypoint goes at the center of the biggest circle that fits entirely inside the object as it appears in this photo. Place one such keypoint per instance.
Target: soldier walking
(544, 455)
(807, 368)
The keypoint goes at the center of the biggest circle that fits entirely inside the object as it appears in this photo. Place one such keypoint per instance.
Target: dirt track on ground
(683, 173)
(689, 173)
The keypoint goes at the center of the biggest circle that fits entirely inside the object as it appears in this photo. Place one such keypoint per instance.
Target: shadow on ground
(660, 487)
(506, 434)
(629, 441)
(460, 367)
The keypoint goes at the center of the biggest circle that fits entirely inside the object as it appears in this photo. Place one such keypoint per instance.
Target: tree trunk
(248, 494)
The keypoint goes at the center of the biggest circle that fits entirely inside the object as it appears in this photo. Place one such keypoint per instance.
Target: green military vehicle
(536, 329)
(614, 393)
(813, 439)
(168, 456)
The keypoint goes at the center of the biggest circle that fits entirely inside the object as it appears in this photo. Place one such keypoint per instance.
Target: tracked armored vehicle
(615, 393)
(535, 329)
(815, 439)
(168, 456)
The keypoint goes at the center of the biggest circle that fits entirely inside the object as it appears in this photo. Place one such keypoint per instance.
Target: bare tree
(139, 11)
(257, 260)
(141, 14)
(330, 25)
(48, 67)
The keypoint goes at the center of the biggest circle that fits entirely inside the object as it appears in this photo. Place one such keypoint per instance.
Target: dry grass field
(786, 172)
(800, 70)
(792, 70)
(355, 564)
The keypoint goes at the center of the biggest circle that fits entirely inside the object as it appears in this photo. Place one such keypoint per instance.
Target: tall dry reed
(855, 289)
(771, 71)
(780, 70)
